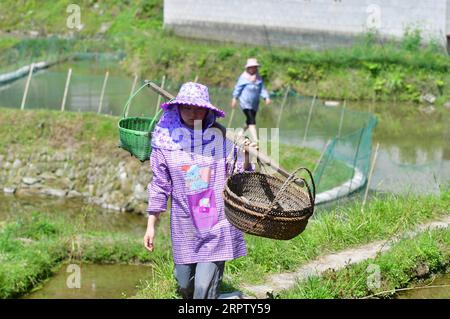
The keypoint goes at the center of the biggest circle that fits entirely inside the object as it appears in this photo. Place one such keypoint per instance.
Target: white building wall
(448, 18)
(345, 17)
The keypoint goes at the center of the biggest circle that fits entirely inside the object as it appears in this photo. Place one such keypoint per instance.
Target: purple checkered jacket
(194, 181)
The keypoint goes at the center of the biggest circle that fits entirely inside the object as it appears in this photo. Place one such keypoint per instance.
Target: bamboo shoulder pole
(163, 82)
(263, 158)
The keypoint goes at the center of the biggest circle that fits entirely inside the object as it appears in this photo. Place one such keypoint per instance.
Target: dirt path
(278, 282)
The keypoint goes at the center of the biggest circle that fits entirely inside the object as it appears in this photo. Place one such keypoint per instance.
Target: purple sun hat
(194, 94)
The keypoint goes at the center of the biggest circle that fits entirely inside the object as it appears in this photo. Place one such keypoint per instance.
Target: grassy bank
(407, 263)
(32, 248)
(369, 70)
(98, 135)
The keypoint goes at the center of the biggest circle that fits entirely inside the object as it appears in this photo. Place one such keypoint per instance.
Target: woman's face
(252, 69)
(190, 114)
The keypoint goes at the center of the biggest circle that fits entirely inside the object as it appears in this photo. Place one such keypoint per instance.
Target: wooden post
(133, 87)
(27, 85)
(66, 89)
(159, 96)
(282, 105)
(356, 157)
(309, 119)
(102, 93)
(342, 119)
(374, 159)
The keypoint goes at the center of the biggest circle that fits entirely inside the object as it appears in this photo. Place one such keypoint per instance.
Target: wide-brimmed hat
(252, 62)
(194, 94)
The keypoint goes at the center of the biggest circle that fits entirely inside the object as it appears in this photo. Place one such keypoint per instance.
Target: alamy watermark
(374, 17)
(73, 21)
(374, 278)
(74, 279)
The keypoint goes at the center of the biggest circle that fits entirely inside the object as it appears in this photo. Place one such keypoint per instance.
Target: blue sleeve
(239, 87)
(264, 93)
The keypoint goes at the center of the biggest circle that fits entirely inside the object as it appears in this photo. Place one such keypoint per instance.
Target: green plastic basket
(135, 132)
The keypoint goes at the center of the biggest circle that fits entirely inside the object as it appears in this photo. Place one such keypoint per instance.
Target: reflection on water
(429, 293)
(95, 282)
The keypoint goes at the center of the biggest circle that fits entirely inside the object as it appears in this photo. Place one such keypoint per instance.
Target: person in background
(249, 89)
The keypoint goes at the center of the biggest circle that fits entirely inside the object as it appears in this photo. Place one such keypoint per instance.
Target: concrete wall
(448, 18)
(290, 22)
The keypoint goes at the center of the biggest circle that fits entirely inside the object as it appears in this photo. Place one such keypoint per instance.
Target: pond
(93, 217)
(430, 292)
(91, 281)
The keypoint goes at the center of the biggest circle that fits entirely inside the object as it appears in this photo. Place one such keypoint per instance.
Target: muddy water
(96, 282)
(429, 293)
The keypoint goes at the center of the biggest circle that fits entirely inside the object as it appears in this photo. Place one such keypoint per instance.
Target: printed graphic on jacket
(201, 199)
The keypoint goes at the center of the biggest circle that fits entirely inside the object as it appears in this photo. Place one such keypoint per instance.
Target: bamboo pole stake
(370, 175)
(309, 119)
(133, 87)
(238, 141)
(282, 105)
(27, 85)
(66, 89)
(321, 156)
(231, 117)
(102, 94)
(342, 119)
(355, 159)
(163, 82)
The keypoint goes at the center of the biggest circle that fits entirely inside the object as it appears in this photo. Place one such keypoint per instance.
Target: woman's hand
(233, 103)
(149, 236)
(248, 143)
(268, 101)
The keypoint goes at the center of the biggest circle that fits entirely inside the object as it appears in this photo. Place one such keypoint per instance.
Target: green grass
(399, 268)
(394, 70)
(54, 130)
(32, 248)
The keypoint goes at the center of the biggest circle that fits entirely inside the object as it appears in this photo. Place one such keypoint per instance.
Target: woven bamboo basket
(135, 136)
(268, 206)
(135, 132)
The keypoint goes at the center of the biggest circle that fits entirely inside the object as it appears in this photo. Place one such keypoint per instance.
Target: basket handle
(127, 105)
(283, 188)
(289, 180)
